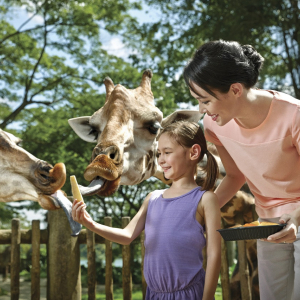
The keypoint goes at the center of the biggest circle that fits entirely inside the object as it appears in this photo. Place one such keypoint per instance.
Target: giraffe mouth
(93, 188)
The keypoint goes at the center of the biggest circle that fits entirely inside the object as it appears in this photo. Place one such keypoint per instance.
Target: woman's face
(221, 110)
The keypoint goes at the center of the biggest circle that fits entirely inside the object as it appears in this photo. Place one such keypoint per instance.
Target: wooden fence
(63, 261)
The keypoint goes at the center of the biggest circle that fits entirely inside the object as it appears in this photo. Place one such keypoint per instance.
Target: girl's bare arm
(212, 217)
(122, 236)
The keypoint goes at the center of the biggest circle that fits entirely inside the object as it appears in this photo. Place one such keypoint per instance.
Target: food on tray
(267, 223)
(75, 189)
(255, 223)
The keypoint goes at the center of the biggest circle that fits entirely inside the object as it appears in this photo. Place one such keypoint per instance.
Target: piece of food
(237, 225)
(255, 223)
(267, 223)
(75, 189)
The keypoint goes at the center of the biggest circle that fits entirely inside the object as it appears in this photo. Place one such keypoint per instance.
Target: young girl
(257, 135)
(175, 220)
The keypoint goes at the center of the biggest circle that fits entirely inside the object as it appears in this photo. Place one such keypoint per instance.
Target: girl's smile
(165, 169)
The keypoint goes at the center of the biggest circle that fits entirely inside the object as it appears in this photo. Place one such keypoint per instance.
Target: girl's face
(173, 158)
(221, 110)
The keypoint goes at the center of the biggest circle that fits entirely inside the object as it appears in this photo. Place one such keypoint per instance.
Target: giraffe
(124, 131)
(25, 177)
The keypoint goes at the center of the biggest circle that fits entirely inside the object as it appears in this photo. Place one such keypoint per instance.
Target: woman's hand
(80, 215)
(288, 234)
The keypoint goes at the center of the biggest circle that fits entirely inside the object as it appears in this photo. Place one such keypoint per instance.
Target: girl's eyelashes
(158, 153)
(205, 102)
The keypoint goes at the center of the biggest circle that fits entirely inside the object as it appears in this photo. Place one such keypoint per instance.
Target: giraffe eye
(153, 128)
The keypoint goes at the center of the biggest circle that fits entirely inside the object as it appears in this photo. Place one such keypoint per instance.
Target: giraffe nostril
(44, 176)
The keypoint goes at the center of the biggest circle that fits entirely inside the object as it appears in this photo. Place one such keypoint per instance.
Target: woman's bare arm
(233, 180)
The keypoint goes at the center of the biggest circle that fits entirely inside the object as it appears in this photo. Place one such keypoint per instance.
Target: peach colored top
(268, 155)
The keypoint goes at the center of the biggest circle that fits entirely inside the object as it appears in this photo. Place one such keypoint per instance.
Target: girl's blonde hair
(187, 134)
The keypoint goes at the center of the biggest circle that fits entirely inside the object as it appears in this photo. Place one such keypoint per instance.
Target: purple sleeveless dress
(173, 247)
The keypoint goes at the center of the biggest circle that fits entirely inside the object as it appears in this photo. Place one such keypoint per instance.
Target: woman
(257, 135)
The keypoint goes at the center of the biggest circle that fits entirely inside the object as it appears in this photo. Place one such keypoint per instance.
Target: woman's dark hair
(218, 64)
(187, 134)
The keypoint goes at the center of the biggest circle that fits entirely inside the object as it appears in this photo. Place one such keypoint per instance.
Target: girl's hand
(288, 234)
(80, 215)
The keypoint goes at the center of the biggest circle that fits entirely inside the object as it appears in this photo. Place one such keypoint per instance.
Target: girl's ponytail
(212, 172)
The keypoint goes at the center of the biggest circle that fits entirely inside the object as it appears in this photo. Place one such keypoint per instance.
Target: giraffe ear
(83, 129)
(188, 115)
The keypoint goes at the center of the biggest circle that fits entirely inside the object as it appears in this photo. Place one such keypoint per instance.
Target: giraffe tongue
(66, 205)
(93, 187)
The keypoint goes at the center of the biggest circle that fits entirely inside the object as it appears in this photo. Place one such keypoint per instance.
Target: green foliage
(58, 57)
(100, 264)
(3, 292)
(26, 261)
(272, 27)
(7, 213)
(117, 270)
(53, 66)
(52, 70)
(118, 294)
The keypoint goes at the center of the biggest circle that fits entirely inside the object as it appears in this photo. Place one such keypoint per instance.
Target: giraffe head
(25, 177)
(124, 131)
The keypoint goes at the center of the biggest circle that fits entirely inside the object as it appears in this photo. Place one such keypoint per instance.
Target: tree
(6, 213)
(271, 26)
(56, 60)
